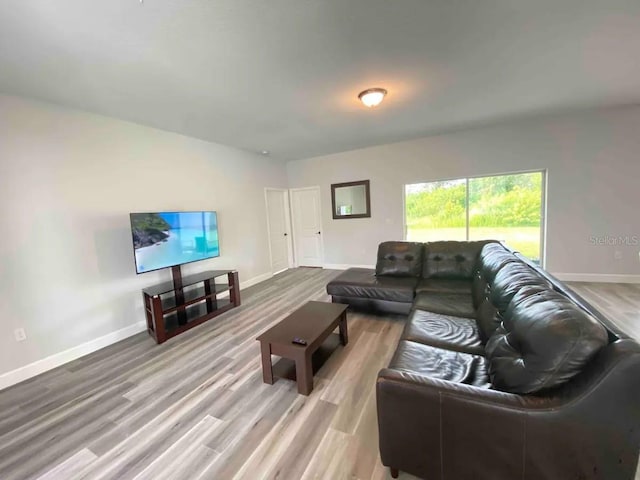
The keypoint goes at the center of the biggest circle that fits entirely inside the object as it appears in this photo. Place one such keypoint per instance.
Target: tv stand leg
(212, 302)
(158, 320)
(179, 294)
(234, 289)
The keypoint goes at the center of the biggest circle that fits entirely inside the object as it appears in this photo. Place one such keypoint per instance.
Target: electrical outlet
(20, 334)
(617, 255)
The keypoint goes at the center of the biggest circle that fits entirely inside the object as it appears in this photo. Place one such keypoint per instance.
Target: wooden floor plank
(333, 458)
(298, 452)
(70, 467)
(188, 457)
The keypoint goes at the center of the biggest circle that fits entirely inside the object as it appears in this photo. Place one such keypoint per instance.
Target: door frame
(288, 226)
(293, 222)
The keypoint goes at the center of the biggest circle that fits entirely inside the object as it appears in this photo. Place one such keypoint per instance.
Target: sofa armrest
(428, 425)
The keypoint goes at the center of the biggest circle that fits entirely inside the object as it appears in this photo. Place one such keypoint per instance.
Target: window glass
(436, 211)
(500, 207)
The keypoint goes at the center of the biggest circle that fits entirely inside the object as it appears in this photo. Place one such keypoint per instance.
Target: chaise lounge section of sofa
(501, 372)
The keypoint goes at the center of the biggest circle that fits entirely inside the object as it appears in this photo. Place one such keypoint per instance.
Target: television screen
(166, 239)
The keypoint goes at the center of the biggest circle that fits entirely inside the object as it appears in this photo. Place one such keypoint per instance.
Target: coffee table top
(309, 322)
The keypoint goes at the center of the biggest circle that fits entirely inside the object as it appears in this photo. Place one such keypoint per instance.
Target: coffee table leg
(267, 368)
(344, 335)
(304, 374)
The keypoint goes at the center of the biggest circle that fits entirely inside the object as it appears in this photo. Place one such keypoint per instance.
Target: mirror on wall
(351, 199)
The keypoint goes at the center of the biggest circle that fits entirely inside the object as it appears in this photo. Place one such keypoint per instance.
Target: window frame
(543, 203)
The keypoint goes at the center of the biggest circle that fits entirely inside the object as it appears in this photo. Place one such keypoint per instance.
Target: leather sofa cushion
(544, 341)
(510, 279)
(363, 283)
(451, 259)
(487, 319)
(439, 363)
(444, 285)
(479, 288)
(445, 303)
(443, 331)
(375, 305)
(492, 258)
(399, 259)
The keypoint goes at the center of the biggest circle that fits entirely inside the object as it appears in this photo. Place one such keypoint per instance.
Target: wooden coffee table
(313, 322)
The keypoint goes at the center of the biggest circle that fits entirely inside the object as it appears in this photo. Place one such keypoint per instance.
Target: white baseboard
(40, 366)
(597, 277)
(255, 280)
(250, 283)
(344, 266)
(49, 363)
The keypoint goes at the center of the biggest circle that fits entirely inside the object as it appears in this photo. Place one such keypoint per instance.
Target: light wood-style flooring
(620, 302)
(196, 408)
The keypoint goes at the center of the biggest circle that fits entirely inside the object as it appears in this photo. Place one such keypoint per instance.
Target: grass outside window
(502, 207)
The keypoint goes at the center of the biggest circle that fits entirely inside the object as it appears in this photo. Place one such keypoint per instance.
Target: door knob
(318, 233)
(285, 234)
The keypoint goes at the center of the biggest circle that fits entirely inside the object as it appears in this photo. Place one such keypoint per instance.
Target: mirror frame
(367, 214)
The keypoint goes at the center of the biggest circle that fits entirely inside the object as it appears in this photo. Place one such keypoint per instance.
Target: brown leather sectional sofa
(502, 372)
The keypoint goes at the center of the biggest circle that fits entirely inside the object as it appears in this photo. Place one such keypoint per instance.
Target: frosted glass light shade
(372, 97)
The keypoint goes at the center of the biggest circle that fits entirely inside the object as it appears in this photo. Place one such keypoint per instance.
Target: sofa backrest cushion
(544, 341)
(487, 319)
(451, 259)
(399, 259)
(492, 258)
(479, 289)
(509, 280)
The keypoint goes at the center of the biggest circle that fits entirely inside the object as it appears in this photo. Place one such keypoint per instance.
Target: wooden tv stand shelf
(176, 306)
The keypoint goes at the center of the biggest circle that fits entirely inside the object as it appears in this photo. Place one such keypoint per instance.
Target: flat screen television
(167, 239)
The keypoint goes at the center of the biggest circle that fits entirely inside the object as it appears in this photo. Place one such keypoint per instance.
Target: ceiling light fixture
(372, 96)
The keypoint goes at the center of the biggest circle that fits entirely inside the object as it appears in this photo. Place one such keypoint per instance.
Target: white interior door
(278, 227)
(307, 230)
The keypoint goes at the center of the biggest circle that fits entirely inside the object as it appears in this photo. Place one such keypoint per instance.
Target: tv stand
(185, 302)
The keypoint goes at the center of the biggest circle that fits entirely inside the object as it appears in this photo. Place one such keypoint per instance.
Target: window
(500, 207)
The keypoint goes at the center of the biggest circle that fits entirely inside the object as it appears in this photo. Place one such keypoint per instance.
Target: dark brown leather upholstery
(479, 288)
(492, 258)
(444, 331)
(586, 429)
(562, 398)
(445, 303)
(363, 283)
(488, 319)
(419, 359)
(399, 259)
(544, 341)
(453, 260)
(374, 305)
(509, 280)
(444, 285)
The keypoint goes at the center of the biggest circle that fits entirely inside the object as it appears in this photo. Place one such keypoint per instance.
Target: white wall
(593, 163)
(68, 181)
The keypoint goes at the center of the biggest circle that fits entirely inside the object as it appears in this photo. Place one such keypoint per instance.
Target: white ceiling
(283, 75)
